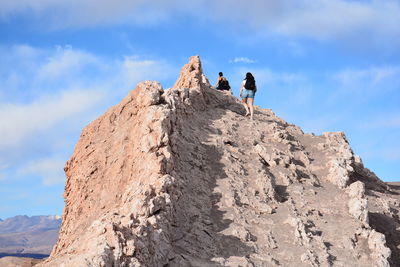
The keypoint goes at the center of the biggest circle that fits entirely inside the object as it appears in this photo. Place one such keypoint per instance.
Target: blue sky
(325, 65)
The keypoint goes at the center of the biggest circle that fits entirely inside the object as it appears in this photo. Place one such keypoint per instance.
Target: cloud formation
(318, 19)
(372, 76)
(20, 121)
(47, 96)
(242, 60)
(60, 84)
(49, 169)
(322, 19)
(66, 62)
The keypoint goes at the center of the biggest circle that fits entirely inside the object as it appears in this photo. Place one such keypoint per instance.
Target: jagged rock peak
(182, 178)
(192, 75)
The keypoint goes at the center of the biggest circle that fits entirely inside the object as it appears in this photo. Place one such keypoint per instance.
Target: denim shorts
(247, 94)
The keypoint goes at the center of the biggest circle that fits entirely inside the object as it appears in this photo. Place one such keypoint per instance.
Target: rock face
(181, 178)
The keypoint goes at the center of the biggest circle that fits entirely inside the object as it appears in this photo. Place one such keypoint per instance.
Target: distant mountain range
(23, 234)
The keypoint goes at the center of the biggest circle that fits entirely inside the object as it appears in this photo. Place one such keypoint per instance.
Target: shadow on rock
(388, 226)
(200, 220)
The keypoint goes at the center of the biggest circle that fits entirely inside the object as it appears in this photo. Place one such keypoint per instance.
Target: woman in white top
(247, 93)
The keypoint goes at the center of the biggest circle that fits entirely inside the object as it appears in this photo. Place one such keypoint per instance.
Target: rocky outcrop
(358, 205)
(340, 163)
(180, 177)
(377, 245)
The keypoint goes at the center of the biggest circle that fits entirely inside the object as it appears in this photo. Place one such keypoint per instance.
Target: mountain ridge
(181, 178)
(22, 223)
(29, 234)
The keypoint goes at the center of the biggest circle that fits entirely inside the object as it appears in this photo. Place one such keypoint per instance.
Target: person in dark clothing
(222, 83)
(247, 92)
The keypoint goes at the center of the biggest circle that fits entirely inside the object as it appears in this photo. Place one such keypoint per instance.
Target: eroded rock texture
(181, 178)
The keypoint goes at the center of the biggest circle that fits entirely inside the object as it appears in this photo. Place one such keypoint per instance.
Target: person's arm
(241, 87)
(216, 85)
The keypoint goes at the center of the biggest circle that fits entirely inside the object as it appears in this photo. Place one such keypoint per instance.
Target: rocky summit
(180, 177)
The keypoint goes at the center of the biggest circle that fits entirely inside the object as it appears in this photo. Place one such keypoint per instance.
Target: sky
(324, 65)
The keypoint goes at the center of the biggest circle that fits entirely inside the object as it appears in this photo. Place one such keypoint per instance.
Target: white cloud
(242, 60)
(75, 13)
(56, 92)
(67, 62)
(132, 70)
(49, 169)
(318, 19)
(372, 76)
(24, 51)
(363, 85)
(20, 121)
(62, 84)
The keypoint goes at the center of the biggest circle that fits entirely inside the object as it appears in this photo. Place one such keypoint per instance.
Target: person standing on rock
(247, 93)
(222, 83)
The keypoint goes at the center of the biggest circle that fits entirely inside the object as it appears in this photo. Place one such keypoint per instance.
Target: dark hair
(249, 76)
(220, 74)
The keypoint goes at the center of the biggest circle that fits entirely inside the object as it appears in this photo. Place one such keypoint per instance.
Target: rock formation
(180, 177)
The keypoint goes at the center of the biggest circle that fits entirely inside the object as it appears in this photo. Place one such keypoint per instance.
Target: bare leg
(244, 102)
(251, 101)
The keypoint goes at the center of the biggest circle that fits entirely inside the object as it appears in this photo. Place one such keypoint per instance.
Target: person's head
(220, 74)
(249, 76)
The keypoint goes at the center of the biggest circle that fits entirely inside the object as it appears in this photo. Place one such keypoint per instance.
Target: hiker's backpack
(250, 84)
(224, 85)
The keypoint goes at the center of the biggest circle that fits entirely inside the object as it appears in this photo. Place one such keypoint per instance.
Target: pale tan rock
(192, 76)
(271, 243)
(358, 204)
(340, 163)
(356, 190)
(310, 258)
(181, 178)
(377, 244)
(268, 157)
